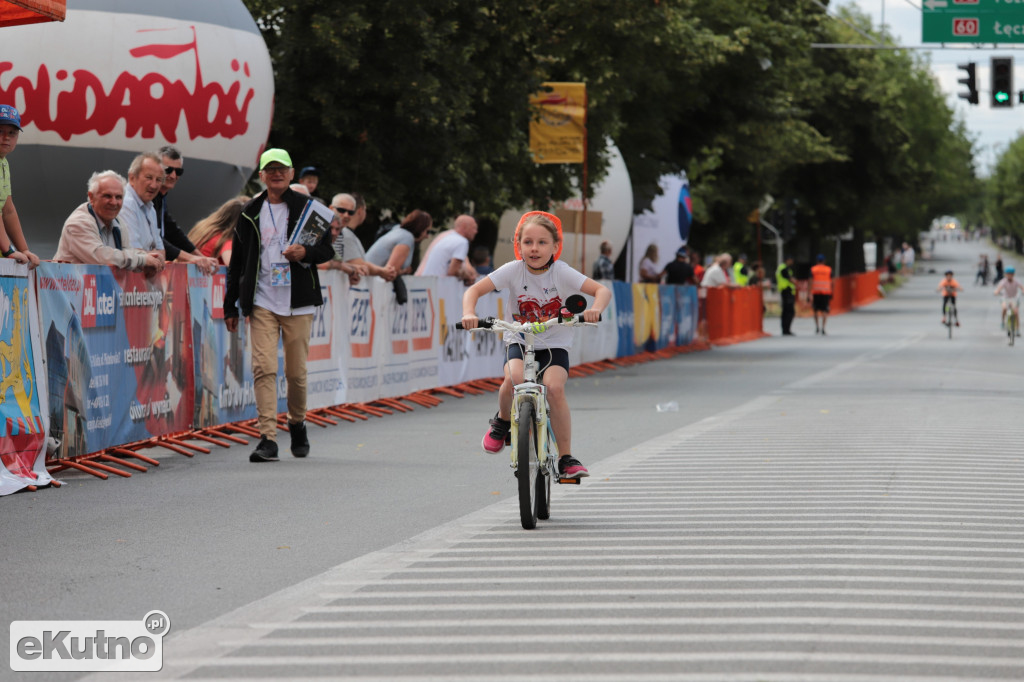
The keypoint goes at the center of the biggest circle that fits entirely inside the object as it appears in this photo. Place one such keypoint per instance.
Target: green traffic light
(1002, 96)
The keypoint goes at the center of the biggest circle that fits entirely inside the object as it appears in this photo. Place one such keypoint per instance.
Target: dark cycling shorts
(820, 302)
(545, 357)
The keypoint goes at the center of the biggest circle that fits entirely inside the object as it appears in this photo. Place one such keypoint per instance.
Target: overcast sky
(992, 128)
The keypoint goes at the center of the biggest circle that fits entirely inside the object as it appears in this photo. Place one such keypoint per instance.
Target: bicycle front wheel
(527, 466)
(1011, 326)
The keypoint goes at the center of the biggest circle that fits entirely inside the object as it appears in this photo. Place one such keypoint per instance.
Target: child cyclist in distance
(949, 286)
(1011, 290)
(537, 284)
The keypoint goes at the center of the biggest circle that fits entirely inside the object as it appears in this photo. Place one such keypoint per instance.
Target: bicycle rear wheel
(527, 467)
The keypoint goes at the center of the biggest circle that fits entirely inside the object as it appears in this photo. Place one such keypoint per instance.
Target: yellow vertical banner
(558, 126)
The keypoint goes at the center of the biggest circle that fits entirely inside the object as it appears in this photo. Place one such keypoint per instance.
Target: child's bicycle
(534, 450)
(1012, 323)
(950, 316)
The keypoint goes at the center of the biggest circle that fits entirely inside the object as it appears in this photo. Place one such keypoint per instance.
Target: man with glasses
(348, 250)
(275, 285)
(12, 241)
(176, 243)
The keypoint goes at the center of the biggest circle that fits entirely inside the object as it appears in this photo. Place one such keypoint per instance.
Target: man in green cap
(275, 284)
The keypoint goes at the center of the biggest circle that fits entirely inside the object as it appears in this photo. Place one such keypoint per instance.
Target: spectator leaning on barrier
(718, 274)
(603, 266)
(212, 234)
(679, 271)
(785, 280)
(395, 247)
(348, 250)
(177, 246)
(821, 293)
(274, 285)
(92, 233)
(649, 265)
(138, 215)
(449, 252)
(13, 244)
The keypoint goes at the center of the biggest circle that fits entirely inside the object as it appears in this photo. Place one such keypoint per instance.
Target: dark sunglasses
(177, 171)
(347, 211)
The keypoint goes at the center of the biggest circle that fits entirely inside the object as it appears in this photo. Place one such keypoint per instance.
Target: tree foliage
(425, 105)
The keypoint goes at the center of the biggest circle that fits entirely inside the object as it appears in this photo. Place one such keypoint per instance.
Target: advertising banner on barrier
(685, 314)
(22, 417)
(223, 361)
(118, 351)
(409, 362)
(602, 342)
(622, 294)
(467, 356)
(361, 312)
(646, 317)
(328, 349)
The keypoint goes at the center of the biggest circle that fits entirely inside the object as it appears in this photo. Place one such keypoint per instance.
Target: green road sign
(972, 21)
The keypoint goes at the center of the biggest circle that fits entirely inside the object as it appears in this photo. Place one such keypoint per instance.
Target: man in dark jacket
(177, 245)
(277, 288)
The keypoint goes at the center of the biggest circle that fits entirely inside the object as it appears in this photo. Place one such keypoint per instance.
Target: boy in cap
(310, 177)
(12, 241)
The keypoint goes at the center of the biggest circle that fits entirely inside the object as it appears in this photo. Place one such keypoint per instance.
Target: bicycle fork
(547, 446)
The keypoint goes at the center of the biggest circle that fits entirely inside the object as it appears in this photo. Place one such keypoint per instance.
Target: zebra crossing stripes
(738, 548)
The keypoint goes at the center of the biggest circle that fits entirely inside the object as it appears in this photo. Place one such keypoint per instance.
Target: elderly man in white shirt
(718, 274)
(138, 215)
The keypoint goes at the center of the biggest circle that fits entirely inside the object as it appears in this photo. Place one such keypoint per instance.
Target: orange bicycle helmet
(554, 219)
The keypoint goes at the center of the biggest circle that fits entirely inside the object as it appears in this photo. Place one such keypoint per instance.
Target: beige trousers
(266, 327)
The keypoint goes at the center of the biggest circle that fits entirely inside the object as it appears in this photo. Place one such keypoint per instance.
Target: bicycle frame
(532, 391)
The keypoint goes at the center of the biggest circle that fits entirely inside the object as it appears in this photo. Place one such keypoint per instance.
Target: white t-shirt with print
(274, 239)
(533, 298)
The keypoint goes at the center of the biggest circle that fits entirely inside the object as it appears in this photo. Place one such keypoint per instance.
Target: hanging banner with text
(558, 128)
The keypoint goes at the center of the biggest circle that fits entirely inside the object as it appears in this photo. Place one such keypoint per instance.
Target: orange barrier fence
(848, 292)
(734, 314)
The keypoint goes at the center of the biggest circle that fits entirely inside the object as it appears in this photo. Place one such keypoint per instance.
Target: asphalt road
(846, 507)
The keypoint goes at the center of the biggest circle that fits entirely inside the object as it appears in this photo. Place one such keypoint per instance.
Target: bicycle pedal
(570, 481)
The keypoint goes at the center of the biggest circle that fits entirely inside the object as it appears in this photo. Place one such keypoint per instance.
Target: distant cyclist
(1011, 290)
(949, 286)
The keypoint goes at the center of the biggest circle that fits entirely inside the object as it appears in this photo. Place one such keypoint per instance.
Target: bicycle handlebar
(495, 324)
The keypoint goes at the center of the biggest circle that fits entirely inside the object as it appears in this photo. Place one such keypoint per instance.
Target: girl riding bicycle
(538, 284)
(1011, 290)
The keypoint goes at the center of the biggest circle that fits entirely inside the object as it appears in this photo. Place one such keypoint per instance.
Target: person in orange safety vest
(821, 293)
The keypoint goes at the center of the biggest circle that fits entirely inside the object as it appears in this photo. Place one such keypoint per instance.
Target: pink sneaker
(494, 439)
(570, 467)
